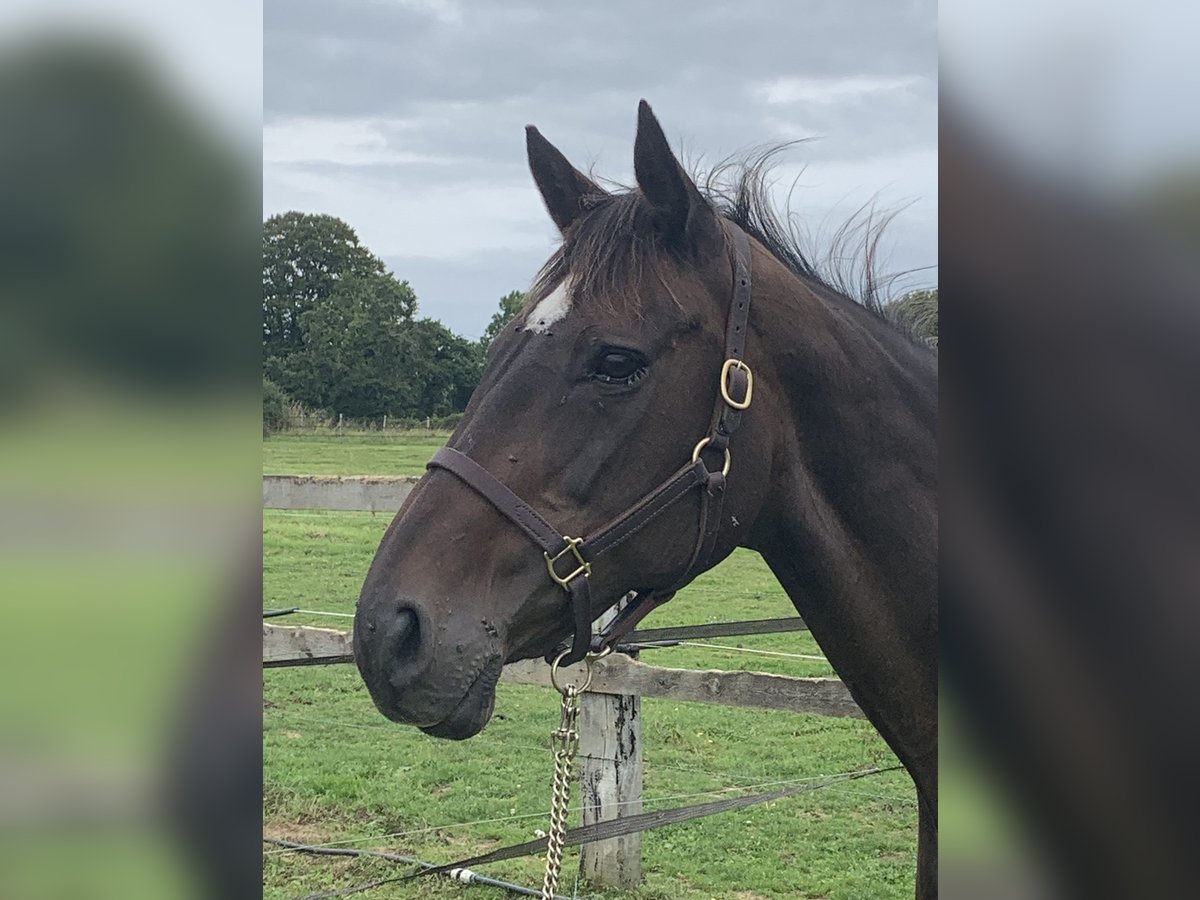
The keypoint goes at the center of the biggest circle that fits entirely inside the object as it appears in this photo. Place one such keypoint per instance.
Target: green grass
(329, 453)
(335, 770)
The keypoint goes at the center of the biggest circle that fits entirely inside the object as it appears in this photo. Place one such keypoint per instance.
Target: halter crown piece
(569, 560)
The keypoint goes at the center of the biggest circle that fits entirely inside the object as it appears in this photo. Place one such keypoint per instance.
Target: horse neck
(851, 521)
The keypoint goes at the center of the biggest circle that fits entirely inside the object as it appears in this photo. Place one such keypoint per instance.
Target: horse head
(592, 397)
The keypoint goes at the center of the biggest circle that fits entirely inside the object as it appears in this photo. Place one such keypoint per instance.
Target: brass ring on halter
(598, 655)
(730, 365)
(704, 443)
(563, 689)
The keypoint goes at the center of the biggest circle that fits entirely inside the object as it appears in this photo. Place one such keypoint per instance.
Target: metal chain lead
(566, 742)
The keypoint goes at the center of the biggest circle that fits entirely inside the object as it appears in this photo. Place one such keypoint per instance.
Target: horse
(680, 382)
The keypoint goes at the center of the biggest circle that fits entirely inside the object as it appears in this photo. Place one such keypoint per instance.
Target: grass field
(328, 453)
(335, 770)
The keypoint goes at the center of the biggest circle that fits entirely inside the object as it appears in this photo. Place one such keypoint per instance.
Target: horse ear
(682, 212)
(563, 187)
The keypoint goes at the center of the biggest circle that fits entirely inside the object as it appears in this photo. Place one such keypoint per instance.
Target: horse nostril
(408, 634)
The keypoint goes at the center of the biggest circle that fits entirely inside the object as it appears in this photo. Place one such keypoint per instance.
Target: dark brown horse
(597, 393)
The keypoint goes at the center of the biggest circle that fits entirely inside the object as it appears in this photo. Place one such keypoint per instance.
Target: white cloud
(349, 142)
(447, 12)
(405, 216)
(177, 38)
(824, 91)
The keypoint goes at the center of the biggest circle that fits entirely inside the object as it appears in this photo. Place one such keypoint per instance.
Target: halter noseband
(569, 559)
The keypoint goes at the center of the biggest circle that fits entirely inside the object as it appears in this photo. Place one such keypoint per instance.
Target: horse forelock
(610, 256)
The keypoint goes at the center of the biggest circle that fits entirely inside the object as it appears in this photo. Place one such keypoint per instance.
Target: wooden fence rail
(616, 674)
(360, 492)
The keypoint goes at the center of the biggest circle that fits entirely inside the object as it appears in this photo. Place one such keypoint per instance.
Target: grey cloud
(449, 87)
(358, 57)
(468, 290)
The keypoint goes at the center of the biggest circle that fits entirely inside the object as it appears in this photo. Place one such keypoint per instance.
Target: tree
(274, 408)
(510, 305)
(338, 329)
(305, 256)
(358, 351)
(445, 368)
(917, 310)
(122, 250)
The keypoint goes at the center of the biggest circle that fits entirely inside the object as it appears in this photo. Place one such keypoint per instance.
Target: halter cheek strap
(569, 559)
(555, 547)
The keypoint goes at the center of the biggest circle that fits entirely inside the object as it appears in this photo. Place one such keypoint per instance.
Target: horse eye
(617, 366)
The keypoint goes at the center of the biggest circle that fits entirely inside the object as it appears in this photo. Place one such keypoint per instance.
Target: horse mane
(740, 189)
(613, 249)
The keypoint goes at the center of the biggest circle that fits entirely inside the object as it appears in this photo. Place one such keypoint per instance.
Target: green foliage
(275, 407)
(918, 310)
(357, 350)
(305, 256)
(445, 423)
(125, 250)
(443, 369)
(510, 305)
(339, 333)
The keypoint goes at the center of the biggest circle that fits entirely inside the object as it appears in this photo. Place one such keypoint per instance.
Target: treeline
(917, 311)
(341, 336)
(341, 332)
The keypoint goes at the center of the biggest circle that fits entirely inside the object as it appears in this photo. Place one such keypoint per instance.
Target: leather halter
(569, 560)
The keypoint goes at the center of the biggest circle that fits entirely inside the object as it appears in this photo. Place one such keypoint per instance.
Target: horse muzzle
(445, 687)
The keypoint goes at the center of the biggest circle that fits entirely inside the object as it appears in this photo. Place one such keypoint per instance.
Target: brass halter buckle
(584, 568)
(730, 365)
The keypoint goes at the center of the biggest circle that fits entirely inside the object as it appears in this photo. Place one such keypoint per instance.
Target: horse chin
(473, 711)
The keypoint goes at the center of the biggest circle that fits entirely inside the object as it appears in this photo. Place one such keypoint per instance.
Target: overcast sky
(406, 118)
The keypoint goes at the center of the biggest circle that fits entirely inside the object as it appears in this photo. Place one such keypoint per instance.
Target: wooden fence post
(610, 780)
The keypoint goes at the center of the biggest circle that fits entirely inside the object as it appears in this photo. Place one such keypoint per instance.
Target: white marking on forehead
(551, 309)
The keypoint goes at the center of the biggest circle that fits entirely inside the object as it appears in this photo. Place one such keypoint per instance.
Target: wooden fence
(616, 674)
(360, 492)
(610, 713)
